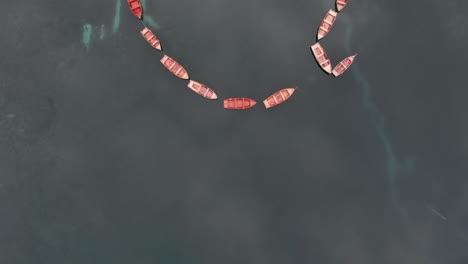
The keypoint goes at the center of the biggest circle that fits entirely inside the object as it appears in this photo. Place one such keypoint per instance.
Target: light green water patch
(148, 19)
(87, 34)
(409, 163)
(434, 211)
(151, 22)
(103, 32)
(116, 25)
(377, 119)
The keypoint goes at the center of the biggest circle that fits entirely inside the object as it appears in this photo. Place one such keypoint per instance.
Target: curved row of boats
(319, 52)
(243, 103)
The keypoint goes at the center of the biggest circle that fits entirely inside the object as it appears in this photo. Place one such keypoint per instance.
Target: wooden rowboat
(326, 24)
(340, 4)
(174, 67)
(135, 7)
(343, 65)
(278, 97)
(202, 90)
(321, 57)
(151, 38)
(239, 103)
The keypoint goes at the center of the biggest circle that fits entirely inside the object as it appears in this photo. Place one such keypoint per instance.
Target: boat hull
(343, 65)
(135, 7)
(151, 38)
(278, 97)
(321, 57)
(327, 24)
(202, 90)
(239, 103)
(340, 4)
(174, 67)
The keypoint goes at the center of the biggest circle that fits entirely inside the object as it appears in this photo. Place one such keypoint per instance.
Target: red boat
(239, 103)
(321, 57)
(202, 90)
(174, 67)
(136, 8)
(151, 38)
(340, 4)
(278, 97)
(343, 65)
(327, 23)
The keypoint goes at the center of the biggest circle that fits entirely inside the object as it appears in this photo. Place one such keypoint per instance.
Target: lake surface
(106, 157)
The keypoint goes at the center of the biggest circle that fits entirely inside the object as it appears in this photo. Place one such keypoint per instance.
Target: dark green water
(106, 157)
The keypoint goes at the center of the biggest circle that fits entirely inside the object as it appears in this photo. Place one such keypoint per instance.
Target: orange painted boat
(151, 38)
(340, 4)
(321, 57)
(327, 24)
(174, 67)
(202, 90)
(343, 65)
(239, 103)
(278, 97)
(136, 8)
